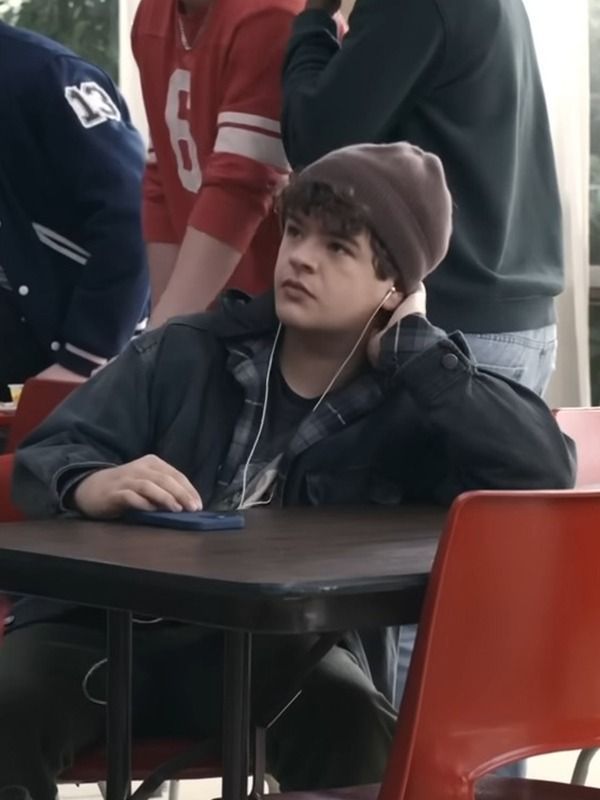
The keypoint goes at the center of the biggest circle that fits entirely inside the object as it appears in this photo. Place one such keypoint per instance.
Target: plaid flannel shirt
(249, 366)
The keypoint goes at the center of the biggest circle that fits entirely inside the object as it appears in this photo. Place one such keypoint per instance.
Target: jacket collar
(237, 316)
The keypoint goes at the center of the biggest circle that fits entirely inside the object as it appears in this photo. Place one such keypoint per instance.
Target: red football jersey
(212, 89)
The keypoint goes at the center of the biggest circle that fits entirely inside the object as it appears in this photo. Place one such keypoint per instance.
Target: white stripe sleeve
(258, 146)
(250, 120)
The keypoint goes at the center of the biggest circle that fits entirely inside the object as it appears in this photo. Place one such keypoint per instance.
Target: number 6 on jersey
(184, 147)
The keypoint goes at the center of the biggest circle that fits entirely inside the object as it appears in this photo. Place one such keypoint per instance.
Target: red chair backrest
(583, 426)
(506, 662)
(8, 512)
(38, 398)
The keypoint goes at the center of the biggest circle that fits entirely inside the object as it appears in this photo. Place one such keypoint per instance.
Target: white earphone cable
(319, 401)
(103, 661)
(342, 367)
(262, 420)
(88, 675)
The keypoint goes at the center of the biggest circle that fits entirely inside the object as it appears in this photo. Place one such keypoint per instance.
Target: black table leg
(236, 714)
(259, 762)
(118, 720)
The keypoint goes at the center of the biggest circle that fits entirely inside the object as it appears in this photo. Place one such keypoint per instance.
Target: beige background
(347, 6)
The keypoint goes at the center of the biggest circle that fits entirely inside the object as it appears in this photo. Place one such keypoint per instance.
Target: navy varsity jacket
(71, 165)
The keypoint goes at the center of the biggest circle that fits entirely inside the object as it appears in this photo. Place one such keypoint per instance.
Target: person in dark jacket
(458, 78)
(73, 274)
(333, 389)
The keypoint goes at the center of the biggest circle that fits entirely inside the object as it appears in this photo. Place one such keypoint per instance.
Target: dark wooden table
(289, 571)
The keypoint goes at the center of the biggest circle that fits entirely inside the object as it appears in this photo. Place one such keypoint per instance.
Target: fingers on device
(187, 520)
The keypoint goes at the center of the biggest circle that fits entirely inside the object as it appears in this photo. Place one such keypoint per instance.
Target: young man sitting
(336, 389)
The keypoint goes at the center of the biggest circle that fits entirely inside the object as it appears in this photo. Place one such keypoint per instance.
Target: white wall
(128, 72)
(561, 31)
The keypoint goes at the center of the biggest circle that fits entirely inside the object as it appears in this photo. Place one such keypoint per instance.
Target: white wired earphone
(328, 388)
(96, 666)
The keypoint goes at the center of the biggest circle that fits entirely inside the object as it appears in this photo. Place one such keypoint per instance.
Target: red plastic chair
(506, 661)
(8, 511)
(583, 426)
(146, 757)
(38, 398)
(506, 658)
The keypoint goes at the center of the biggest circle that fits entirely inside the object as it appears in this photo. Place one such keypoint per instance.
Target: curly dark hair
(339, 213)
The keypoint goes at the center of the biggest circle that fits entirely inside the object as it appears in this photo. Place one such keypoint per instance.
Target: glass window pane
(89, 27)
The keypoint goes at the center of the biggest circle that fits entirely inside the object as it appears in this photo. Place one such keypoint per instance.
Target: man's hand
(415, 303)
(148, 484)
(58, 373)
(330, 6)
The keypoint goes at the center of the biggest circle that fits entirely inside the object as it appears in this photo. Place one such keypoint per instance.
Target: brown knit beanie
(404, 191)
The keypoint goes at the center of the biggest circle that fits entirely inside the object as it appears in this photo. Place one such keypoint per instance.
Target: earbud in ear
(385, 297)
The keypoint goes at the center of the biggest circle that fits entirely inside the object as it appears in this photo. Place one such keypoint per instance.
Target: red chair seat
(488, 788)
(146, 756)
(369, 792)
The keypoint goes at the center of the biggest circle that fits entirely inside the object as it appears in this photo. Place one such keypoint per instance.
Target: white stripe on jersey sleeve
(250, 120)
(251, 144)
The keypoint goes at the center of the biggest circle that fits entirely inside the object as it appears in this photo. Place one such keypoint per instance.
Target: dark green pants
(338, 732)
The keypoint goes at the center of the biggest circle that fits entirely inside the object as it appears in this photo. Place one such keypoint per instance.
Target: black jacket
(458, 78)
(439, 427)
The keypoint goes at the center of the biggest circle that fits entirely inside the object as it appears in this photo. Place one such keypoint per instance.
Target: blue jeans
(528, 357)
